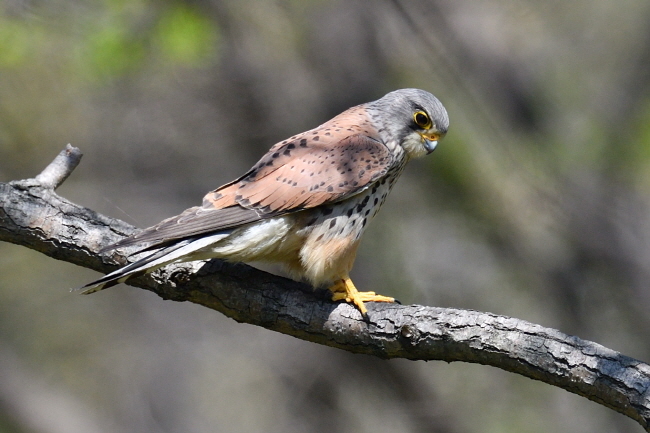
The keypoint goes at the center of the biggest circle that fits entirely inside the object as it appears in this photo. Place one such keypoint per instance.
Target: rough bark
(33, 215)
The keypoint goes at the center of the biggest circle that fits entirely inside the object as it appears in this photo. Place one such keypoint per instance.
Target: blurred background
(536, 205)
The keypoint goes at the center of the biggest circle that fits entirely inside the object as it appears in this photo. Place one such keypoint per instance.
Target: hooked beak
(431, 141)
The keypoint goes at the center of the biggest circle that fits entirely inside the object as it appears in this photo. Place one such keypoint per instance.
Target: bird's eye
(422, 119)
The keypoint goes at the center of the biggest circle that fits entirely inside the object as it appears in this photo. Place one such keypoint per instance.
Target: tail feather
(178, 252)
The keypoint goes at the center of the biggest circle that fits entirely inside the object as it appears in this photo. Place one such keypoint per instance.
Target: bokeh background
(536, 205)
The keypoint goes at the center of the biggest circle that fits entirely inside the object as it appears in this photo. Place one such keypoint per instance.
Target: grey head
(411, 118)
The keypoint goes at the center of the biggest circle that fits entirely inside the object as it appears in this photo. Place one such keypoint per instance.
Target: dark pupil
(421, 119)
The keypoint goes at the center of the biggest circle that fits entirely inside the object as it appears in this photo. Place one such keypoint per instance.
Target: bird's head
(411, 118)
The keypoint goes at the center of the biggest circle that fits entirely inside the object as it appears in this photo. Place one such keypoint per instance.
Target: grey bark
(33, 215)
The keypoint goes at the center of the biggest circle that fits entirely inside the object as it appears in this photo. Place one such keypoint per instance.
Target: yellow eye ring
(422, 120)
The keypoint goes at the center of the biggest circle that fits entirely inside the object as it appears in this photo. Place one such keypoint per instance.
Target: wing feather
(194, 221)
(322, 166)
(316, 175)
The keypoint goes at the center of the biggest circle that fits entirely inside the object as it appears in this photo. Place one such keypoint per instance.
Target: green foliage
(178, 35)
(112, 50)
(184, 36)
(17, 41)
(113, 39)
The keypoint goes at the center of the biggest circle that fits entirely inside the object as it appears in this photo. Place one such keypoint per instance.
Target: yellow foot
(345, 290)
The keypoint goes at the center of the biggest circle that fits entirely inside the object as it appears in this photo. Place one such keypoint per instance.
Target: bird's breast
(332, 233)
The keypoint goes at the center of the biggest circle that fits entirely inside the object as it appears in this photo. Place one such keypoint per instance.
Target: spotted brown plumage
(307, 201)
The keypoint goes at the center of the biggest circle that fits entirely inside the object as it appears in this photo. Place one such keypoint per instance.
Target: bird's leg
(344, 290)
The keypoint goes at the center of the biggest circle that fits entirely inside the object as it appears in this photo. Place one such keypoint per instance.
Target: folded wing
(303, 172)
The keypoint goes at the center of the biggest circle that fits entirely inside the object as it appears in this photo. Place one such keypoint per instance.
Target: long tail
(178, 252)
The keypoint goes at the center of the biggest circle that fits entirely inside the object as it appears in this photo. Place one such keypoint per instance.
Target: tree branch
(32, 215)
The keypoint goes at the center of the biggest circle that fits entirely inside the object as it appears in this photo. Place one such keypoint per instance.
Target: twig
(58, 171)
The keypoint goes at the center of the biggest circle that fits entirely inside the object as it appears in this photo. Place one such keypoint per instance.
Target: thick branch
(34, 216)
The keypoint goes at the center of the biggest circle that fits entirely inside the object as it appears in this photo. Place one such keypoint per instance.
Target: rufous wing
(318, 167)
(293, 176)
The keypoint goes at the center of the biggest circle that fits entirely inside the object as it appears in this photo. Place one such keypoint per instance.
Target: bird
(305, 204)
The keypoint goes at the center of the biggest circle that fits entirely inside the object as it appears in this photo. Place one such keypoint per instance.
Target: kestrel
(306, 203)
